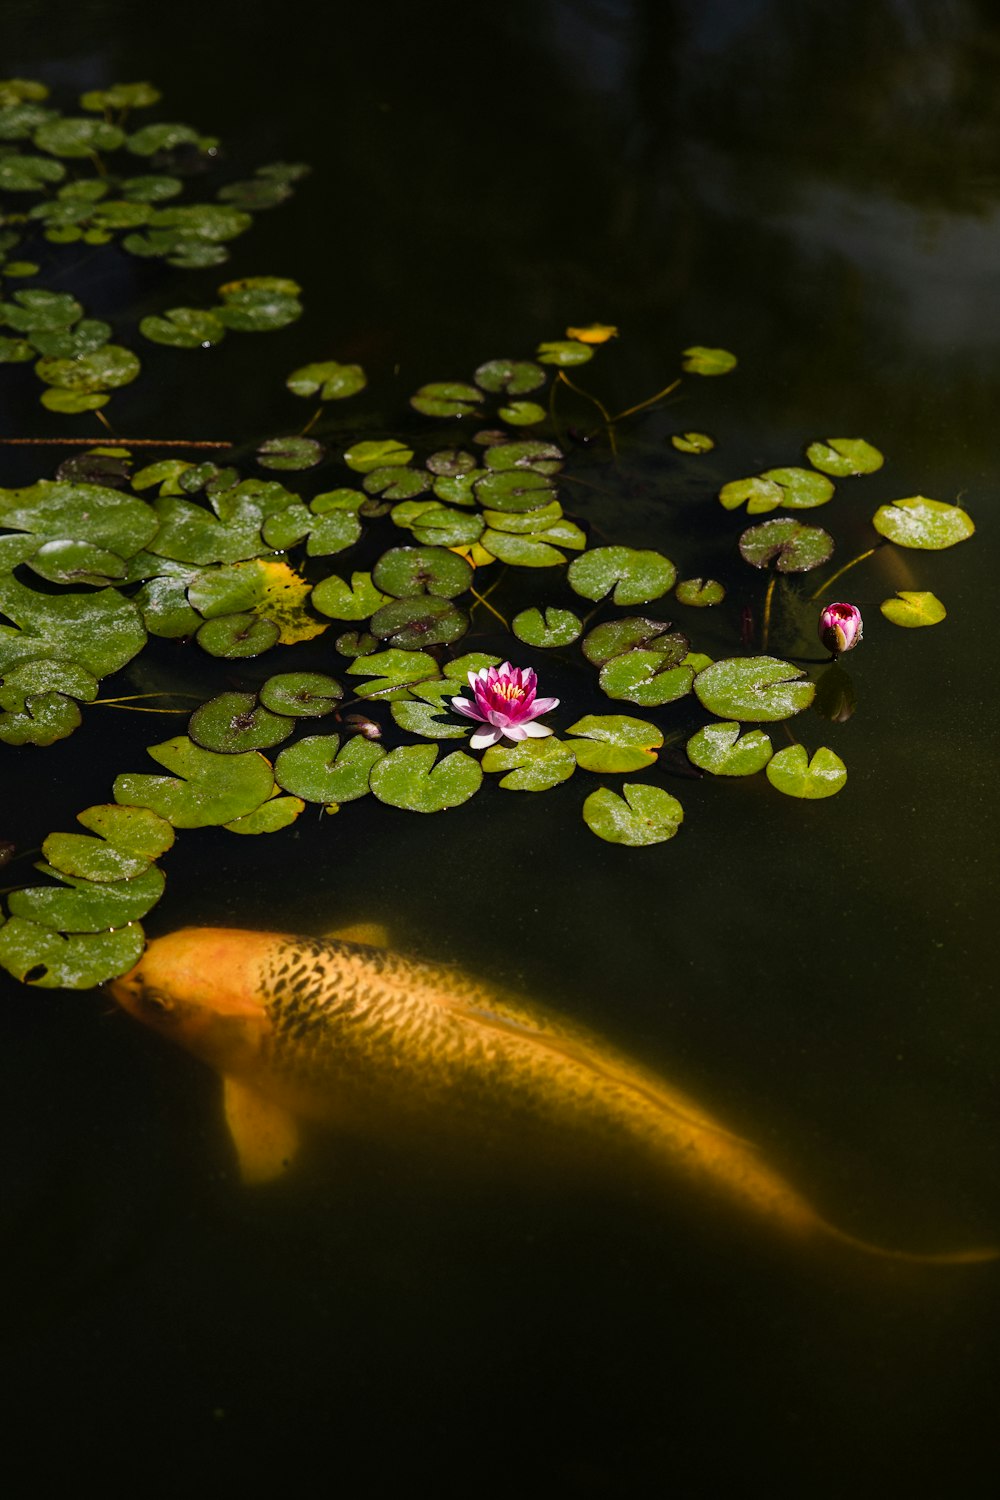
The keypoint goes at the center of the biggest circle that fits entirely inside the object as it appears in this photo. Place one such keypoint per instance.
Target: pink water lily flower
(840, 627)
(506, 704)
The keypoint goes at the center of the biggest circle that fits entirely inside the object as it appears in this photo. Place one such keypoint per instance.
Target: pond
(815, 190)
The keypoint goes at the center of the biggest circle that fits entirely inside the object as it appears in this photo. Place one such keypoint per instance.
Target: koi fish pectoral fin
(266, 1136)
(370, 934)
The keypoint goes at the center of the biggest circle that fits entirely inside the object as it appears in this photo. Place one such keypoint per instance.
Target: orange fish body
(356, 1036)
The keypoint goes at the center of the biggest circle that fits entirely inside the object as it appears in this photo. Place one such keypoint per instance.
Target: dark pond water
(816, 188)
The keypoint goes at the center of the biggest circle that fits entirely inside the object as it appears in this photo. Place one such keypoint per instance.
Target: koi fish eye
(158, 1007)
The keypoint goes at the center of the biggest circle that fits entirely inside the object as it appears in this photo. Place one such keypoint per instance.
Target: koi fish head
(200, 987)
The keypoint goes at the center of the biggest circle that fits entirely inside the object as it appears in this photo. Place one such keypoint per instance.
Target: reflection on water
(815, 188)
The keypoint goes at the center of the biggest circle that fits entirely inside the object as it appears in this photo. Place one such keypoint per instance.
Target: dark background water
(816, 188)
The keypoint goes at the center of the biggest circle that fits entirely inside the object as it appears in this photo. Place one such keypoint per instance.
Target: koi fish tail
(916, 1257)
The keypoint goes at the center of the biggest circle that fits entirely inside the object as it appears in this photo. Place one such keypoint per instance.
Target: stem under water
(841, 571)
(765, 629)
(609, 421)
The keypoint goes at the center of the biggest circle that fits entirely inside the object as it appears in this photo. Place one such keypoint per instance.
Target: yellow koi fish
(350, 1034)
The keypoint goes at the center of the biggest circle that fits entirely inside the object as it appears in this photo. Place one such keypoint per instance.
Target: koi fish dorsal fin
(371, 934)
(266, 1136)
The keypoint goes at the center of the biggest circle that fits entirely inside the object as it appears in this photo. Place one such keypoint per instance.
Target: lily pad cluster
(96, 182)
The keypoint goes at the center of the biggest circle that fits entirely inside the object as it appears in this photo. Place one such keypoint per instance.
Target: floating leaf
(40, 311)
(593, 333)
(527, 453)
(422, 621)
(41, 676)
(303, 695)
(396, 483)
(564, 352)
(439, 525)
(918, 522)
(71, 403)
(207, 788)
(721, 750)
(559, 627)
(758, 493)
(521, 551)
(792, 547)
(512, 377)
(123, 96)
(514, 490)
(151, 187)
(153, 139)
(638, 677)
(396, 671)
(184, 328)
(234, 722)
(409, 778)
(843, 457)
(532, 765)
(913, 609)
(253, 305)
(801, 489)
(271, 817)
(290, 453)
(754, 689)
(423, 713)
(699, 593)
(105, 369)
(55, 510)
(67, 343)
(636, 576)
(29, 174)
(363, 457)
(330, 380)
(616, 637)
(238, 635)
(335, 598)
(37, 955)
(692, 442)
(522, 413)
(268, 588)
(99, 632)
(446, 398)
(81, 905)
(44, 718)
(701, 361)
(614, 743)
(793, 773)
(644, 815)
(406, 571)
(130, 839)
(77, 137)
(313, 769)
(77, 562)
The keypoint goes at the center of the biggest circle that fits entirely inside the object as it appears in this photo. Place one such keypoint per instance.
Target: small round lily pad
(791, 771)
(303, 695)
(234, 722)
(844, 457)
(754, 689)
(643, 815)
(792, 547)
(918, 522)
(912, 608)
(721, 750)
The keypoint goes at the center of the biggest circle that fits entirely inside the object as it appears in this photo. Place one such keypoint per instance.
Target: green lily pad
(531, 765)
(522, 413)
(71, 403)
(699, 593)
(44, 718)
(446, 398)
(234, 722)
(19, 121)
(67, 343)
(521, 551)
(189, 533)
(441, 526)
(692, 442)
(151, 140)
(271, 817)
(105, 369)
(312, 768)
(409, 778)
(525, 523)
(77, 562)
(151, 187)
(721, 750)
(248, 306)
(636, 576)
(448, 463)
(793, 773)
(918, 522)
(129, 840)
(40, 311)
(56, 511)
(77, 137)
(757, 493)
(330, 380)
(363, 457)
(121, 96)
(81, 905)
(303, 695)
(843, 457)
(422, 621)
(37, 955)
(527, 453)
(238, 635)
(801, 489)
(558, 627)
(754, 689)
(792, 547)
(513, 490)
(639, 677)
(913, 608)
(701, 361)
(396, 483)
(340, 601)
(615, 637)
(15, 351)
(458, 489)
(644, 815)
(293, 453)
(165, 609)
(564, 352)
(41, 676)
(614, 743)
(510, 377)
(99, 632)
(184, 328)
(473, 661)
(393, 672)
(207, 788)
(407, 571)
(424, 713)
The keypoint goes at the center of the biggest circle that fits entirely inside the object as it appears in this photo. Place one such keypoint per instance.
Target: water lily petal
(463, 706)
(484, 737)
(542, 705)
(536, 731)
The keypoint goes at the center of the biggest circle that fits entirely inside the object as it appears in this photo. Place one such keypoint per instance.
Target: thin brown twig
(91, 442)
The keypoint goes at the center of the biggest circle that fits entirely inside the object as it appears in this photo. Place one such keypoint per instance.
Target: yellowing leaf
(593, 333)
(474, 554)
(282, 600)
(912, 608)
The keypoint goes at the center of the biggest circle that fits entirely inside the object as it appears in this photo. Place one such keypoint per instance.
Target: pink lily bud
(840, 627)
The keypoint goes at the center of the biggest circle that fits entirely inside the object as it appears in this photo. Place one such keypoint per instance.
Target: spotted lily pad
(446, 398)
(793, 773)
(42, 719)
(692, 442)
(757, 493)
(721, 750)
(406, 571)
(105, 369)
(635, 576)
(564, 352)
(918, 522)
(57, 511)
(792, 547)
(643, 815)
(128, 840)
(640, 677)
(99, 632)
(843, 457)
(912, 608)
(614, 743)
(699, 593)
(514, 489)
(409, 778)
(512, 377)
(340, 601)
(521, 551)
(558, 627)
(184, 328)
(271, 817)
(317, 769)
(754, 689)
(238, 635)
(293, 453)
(396, 672)
(329, 380)
(801, 489)
(81, 905)
(303, 695)
(615, 637)
(701, 361)
(422, 621)
(37, 955)
(234, 722)
(364, 457)
(206, 788)
(531, 765)
(255, 304)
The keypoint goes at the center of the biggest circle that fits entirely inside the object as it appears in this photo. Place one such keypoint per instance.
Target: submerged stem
(765, 628)
(609, 421)
(841, 571)
(650, 401)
